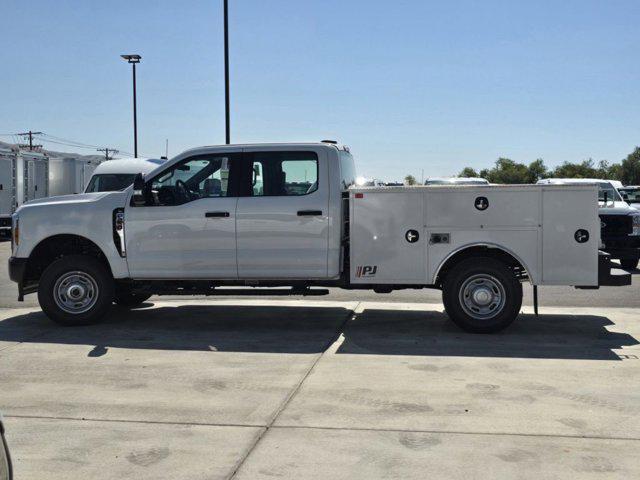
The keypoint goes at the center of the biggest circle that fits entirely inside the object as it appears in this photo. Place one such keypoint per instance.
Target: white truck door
(282, 216)
(187, 229)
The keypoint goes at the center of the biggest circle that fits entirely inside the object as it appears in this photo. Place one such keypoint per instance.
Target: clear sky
(408, 85)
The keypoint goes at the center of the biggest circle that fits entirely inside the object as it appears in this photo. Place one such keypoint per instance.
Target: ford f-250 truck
(288, 215)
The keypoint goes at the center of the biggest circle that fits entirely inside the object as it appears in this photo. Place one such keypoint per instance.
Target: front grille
(5, 221)
(616, 225)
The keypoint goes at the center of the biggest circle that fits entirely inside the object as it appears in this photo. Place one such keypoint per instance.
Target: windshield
(633, 194)
(110, 182)
(612, 193)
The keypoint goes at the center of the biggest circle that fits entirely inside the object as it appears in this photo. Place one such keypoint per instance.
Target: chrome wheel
(482, 296)
(75, 292)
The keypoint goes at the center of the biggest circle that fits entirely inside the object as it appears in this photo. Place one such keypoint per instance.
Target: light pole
(133, 59)
(226, 73)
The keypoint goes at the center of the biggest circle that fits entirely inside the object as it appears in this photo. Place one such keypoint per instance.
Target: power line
(30, 134)
(47, 138)
(106, 151)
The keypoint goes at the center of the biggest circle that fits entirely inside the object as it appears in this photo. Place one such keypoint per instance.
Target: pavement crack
(119, 420)
(455, 432)
(338, 332)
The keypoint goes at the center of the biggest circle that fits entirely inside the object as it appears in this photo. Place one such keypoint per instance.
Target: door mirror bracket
(138, 199)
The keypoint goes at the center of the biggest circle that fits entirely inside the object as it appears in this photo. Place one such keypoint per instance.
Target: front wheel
(482, 295)
(76, 290)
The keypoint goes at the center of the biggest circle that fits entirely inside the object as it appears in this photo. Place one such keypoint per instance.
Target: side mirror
(138, 199)
(6, 471)
(625, 197)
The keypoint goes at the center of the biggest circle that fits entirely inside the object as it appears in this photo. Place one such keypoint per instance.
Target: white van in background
(116, 175)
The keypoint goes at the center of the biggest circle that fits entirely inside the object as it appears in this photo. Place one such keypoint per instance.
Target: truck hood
(615, 208)
(70, 200)
(76, 198)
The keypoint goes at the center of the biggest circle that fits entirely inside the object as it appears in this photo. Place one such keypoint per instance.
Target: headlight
(15, 231)
(636, 224)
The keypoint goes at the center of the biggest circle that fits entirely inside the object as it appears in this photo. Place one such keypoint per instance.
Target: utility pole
(226, 73)
(30, 134)
(133, 59)
(106, 151)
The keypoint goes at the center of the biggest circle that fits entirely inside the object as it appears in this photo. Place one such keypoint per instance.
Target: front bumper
(626, 246)
(608, 275)
(17, 269)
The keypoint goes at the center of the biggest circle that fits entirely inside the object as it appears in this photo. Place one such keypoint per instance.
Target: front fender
(91, 218)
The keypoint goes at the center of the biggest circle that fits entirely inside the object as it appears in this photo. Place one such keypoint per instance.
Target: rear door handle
(216, 214)
(309, 213)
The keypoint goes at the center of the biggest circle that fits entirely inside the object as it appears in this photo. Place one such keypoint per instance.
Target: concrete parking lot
(330, 387)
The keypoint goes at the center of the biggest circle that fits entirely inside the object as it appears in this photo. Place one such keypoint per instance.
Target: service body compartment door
(568, 256)
(388, 244)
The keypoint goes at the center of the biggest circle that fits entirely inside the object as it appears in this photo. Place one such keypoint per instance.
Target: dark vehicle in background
(619, 222)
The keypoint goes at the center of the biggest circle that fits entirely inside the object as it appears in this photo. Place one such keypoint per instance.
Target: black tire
(126, 299)
(490, 279)
(94, 275)
(629, 263)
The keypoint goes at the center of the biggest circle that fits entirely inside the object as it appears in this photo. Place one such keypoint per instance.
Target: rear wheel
(76, 290)
(629, 263)
(482, 295)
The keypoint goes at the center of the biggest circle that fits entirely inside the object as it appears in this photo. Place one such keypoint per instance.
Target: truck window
(347, 169)
(110, 182)
(283, 173)
(198, 177)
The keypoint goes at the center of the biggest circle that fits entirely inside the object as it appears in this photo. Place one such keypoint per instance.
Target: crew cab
(619, 221)
(289, 215)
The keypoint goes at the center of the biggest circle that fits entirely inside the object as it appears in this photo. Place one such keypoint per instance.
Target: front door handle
(309, 213)
(216, 214)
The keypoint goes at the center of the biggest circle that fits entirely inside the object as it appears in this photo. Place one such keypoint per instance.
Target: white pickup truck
(288, 215)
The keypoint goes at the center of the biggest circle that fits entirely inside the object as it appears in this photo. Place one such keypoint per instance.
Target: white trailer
(24, 176)
(8, 188)
(69, 175)
(33, 167)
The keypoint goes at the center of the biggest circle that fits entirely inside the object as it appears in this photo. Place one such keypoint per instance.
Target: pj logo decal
(366, 270)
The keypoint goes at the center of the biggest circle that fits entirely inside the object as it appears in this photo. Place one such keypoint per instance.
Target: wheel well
(53, 248)
(483, 251)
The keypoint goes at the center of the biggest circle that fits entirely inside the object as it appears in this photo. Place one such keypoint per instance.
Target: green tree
(630, 168)
(537, 171)
(468, 172)
(584, 169)
(410, 180)
(507, 171)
